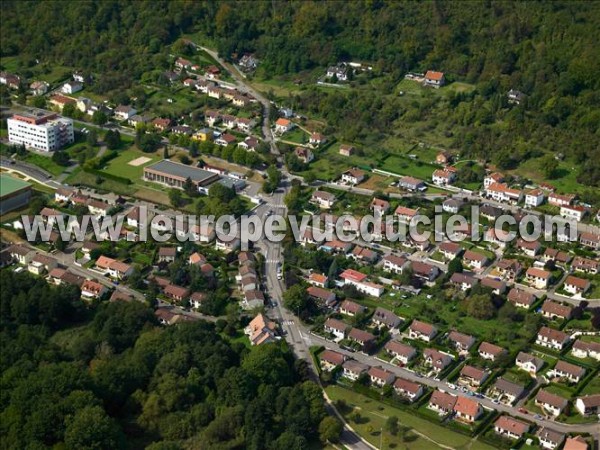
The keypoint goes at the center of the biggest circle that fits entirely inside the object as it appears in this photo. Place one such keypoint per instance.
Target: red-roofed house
(434, 79)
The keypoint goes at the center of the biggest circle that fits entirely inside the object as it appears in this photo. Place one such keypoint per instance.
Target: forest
(108, 377)
(546, 49)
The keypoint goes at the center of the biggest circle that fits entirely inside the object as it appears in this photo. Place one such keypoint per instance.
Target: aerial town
(476, 337)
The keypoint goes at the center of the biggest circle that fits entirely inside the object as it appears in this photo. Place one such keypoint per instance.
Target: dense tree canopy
(119, 381)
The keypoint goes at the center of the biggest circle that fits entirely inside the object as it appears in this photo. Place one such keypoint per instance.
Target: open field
(374, 415)
(121, 164)
(45, 162)
(408, 166)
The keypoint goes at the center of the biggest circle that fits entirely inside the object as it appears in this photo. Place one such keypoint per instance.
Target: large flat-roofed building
(14, 193)
(41, 131)
(174, 174)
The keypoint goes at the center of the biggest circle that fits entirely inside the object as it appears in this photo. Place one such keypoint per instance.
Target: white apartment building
(45, 132)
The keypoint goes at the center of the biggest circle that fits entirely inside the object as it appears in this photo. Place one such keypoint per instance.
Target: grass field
(566, 181)
(374, 415)
(407, 166)
(120, 165)
(45, 162)
(296, 135)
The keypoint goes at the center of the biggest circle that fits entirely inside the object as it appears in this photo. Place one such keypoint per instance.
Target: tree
(391, 425)
(296, 300)
(189, 187)
(61, 158)
(92, 429)
(549, 166)
(455, 266)
(99, 118)
(175, 197)
(112, 139)
(480, 306)
(330, 430)
(91, 138)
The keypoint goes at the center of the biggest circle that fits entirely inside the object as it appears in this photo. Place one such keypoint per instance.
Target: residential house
(197, 298)
(92, 289)
(576, 443)
(408, 389)
(176, 293)
(443, 158)
(353, 176)
(581, 264)
(124, 112)
(41, 264)
(450, 250)
(552, 254)
(337, 246)
(350, 308)
(467, 409)
(347, 150)
(411, 184)
(240, 101)
(321, 295)
(353, 369)
(318, 279)
(304, 154)
(551, 403)
(491, 212)
(568, 371)
(113, 268)
(244, 124)
(506, 391)
(555, 199)
(359, 281)
(422, 331)
(521, 298)
(59, 101)
(463, 281)
(461, 342)
(576, 286)
(529, 363)
(336, 327)
(70, 87)
(250, 144)
(434, 79)
(39, 87)
(515, 97)
(500, 192)
(283, 125)
(538, 278)
(379, 206)
(590, 240)
(339, 71)
(472, 376)
(452, 205)
(490, 351)
(588, 404)
(508, 269)
(380, 377)
(529, 248)
(550, 439)
(138, 119)
(424, 271)
(214, 92)
(363, 254)
(330, 360)
(442, 402)
(551, 338)
(405, 214)
(582, 349)
(167, 254)
(511, 428)
(553, 310)
(444, 177)
(573, 212)
(401, 352)
(323, 199)
(437, 360)
(161, 124)
(261, 330)
(364, 338)
(534, 197)
(225, 139)
(98, 208)
(497, 286)
(316, 139)
(492, 178)
(475, 260)
(497, 237)
(383, 317)
(395, 264)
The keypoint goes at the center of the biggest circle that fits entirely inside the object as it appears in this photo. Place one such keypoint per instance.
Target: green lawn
(45, 162)
(407, 166)
(593, 387)
(377, 414)
(296, 135)
(120, 165)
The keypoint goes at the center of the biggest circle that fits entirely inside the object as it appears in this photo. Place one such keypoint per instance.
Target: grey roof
(182, 171)
(509, 387)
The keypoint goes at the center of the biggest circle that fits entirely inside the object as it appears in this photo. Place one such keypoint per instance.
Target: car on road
(523, 410)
